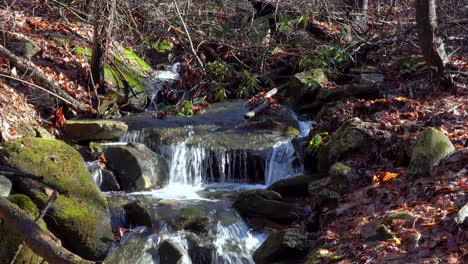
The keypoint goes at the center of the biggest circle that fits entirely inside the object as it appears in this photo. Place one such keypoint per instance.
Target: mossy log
(37, 240)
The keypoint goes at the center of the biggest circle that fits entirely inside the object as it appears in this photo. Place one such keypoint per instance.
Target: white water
(282, 163)
(96, 172)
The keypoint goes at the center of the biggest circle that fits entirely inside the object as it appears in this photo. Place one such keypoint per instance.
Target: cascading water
(197, 170)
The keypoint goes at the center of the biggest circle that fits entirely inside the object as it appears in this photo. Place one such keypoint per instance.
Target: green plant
(330, 59)
(219, 70)
(249, 85)
(317, 141)
(184, 108)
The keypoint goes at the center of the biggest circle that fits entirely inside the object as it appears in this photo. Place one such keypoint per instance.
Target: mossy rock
(382, 233)
(10, 240)
(404, 215)
(303, 87)
(431, 147)
(349, 140)
(127, 68)
(94, 130)
(81, 219)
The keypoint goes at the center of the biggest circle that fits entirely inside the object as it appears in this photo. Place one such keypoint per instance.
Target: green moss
(80, 219)
(431, 147)
(126, 67)
(382, 233)
(10, 240)
(339, 170)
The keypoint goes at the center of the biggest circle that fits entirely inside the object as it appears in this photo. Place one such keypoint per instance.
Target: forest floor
(411, 103)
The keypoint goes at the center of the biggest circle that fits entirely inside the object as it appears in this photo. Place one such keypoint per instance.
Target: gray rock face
(170, 252)
(462, 216)
(431, 147)
(285, 246)
(109, 182)
(93, 130)
(5, 186)
(137, 167)
(265, 204)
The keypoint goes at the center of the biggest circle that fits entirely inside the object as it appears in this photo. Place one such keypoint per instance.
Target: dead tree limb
(29, 70)
(37, 240)
(264, 105)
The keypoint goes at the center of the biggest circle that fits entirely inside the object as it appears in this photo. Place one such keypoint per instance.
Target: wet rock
(137, 167)
(291, 187)
(431, 147)
(94, 130)
(109, 182)
(382, 233)
(462, 216)
(200, 251)
(170, 253)
(10, 240)
(304, 86)
(5, 186)
(267, 204)
(137, 215)
(81, 219)
(285, 246)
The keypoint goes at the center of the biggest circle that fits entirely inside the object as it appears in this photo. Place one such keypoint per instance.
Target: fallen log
(28, 70)
(37, 240)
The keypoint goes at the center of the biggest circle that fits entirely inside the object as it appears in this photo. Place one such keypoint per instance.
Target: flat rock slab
(94, 130)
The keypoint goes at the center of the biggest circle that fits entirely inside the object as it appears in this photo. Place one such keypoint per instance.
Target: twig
(188, 36)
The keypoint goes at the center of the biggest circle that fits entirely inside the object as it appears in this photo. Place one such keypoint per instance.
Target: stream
(211, 157)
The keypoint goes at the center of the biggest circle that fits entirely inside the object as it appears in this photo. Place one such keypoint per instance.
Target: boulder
(381, 233)
(136, 167)
(285, 246)
(108, 182)
(371, 79)
(304, 86)
(137, 215)
(200, 252)
(10, 240)
(170, 253)
(94, 130)
(80, 220)
(349, 140)
(291, 187)
(265, 204)
(462, 216)
(431, 147)
(43, 133)
(5, 186)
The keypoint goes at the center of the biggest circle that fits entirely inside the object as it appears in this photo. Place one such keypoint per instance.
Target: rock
(199, 251)
(170, 253)
(137, 215)
(93, 130)
(285, 246)
(382, 233)
(43, 133)
(109, 182)
(81, 219)
(303, 87)
(455, 162)
(5, 186)
(348, 140)
(10, 240)
(342, 177)
(291, 187)
(431, 147)
(462, 216)
(371, 79)
(265, 204)
(326, 199)
(404, 215)
(136, 167)
(25, 48)
(364, 69)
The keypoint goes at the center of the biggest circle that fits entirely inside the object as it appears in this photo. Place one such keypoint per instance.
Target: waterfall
(282, 162)
(96, 172)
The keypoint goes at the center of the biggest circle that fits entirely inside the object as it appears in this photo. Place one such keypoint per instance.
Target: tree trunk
(431, 43)
(33, 236)
(104, 11)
